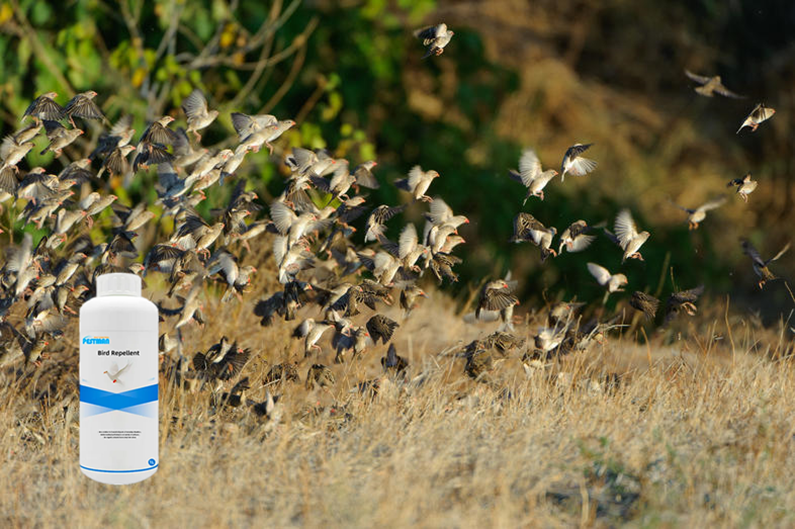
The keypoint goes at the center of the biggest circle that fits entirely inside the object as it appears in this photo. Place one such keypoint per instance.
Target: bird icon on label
(114, 372)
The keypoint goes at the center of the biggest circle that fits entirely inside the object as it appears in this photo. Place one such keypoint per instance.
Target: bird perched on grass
(645, 303)
(684, 300)
(709, 86)
(761, 265)
(199, 117)
(759, 114)
(745, 186)
(627, 236)
(531, 175)
(434, 38)
(697, 215)
(417, 183)
(574, 163)
(613, 282)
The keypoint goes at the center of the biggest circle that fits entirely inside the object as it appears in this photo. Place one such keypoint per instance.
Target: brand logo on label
(96, 340)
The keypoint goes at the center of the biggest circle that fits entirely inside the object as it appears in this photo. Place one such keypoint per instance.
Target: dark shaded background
(545, 74)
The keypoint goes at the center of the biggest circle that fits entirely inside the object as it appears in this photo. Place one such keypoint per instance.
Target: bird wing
(407, 241)
(122, 125)
(366, 178)
(722, 90)
(7, 146)
(750, 250)
(625, 228)
(600, 273)
(580, 243)
(303, 329)
(283, 217)
(388, 213)
(429, 32)
(498, 300)
(779, 254)
(713, 204)
(244, 125)
(529, 167)
(582, 166)
(83, 107)
(415, 175)
(195, 104)
(688, 295)
(8, 181)
(439, 211)
(697, 78)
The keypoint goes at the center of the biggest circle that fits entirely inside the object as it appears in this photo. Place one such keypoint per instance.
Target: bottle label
(118, 401)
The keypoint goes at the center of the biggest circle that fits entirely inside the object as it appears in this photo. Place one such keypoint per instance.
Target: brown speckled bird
(684, 300)
(645, 303)
(83, 106)
(497, 295)
(44, 107)
(381, 327)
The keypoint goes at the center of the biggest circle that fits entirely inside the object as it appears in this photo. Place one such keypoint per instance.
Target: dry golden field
(682, 431)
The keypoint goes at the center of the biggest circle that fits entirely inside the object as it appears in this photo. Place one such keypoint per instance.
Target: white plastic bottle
(118, 382)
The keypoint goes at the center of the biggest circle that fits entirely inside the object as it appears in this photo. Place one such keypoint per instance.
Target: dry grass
(703, 436)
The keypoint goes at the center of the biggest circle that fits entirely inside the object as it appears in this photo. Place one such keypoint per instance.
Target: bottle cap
(118, 285)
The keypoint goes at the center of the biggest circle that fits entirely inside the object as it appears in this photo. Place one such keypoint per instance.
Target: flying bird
(114, 372)
(759, 114)
(417, 183)
(697, 215)
(645, 303)
(684, 300)
(83, 106)
(527, 228)
(761, 265)
(709, 86)
(435, 38)
(531, 175)
(195, 108)
(44, 107)
(627, 236)
(613, 282)
(574, 163)
(745, 186)
(575, 238)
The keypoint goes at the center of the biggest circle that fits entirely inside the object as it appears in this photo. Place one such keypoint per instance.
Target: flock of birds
(331, 275)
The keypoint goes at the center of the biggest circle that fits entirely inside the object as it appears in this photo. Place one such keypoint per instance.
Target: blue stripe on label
(118, 401)
(119, 471)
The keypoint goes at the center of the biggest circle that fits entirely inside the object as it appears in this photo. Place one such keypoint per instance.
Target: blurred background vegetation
(543, 74)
